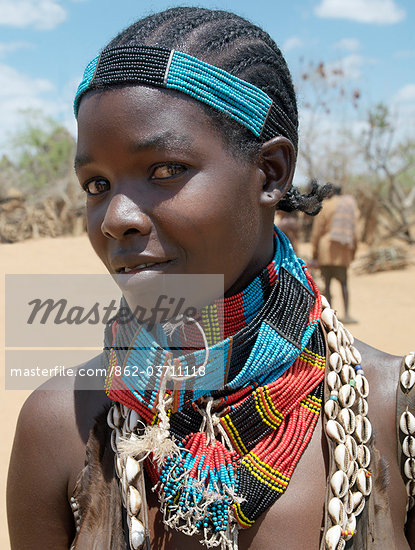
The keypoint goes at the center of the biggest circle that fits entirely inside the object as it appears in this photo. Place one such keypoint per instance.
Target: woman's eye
(96, 187)
(165, 171)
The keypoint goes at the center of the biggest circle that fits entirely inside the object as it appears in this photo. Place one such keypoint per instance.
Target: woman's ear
(277, 161)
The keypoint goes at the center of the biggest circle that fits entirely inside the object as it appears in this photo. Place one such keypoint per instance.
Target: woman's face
(163, 192)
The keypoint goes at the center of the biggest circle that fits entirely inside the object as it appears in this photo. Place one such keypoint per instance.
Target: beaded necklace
(346, 425)
(222, 459)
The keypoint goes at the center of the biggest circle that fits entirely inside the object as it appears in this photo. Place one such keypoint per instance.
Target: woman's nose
(123, 217)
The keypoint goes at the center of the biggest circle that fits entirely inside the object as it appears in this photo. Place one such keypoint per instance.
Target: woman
(183, 166)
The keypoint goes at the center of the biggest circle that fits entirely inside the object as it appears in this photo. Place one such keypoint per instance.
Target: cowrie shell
(327, 317)
(349, 336)
(342, 457)
(358, 502)
(331, 408)
(349, 356)
(332, 341)
(347, 419)
(357, 358)
(118, 465)
(351, 446)
(362, 385)
(364, 483)
(335, 431)
(333, 538)
(337, 512)
(124, 410)
(408, 446)
(124, 481)
(342, 351)
(114, 417)
(324, 302)
(335, 361)
(363, 456)
(407, 423)
(347, 396)
(409, 468)
(347, 374)
(363, 430)
(350, 525)
(410, 361)
(115, 438)
(339, 484)
(362, 406)
(410, 488)
(124, 490)
(348, 502)
(333, 380)
(352, 472)
(134, 501)
(137, 533)
(408, 379)
(341, 337)
(133, 419)
(132, 469)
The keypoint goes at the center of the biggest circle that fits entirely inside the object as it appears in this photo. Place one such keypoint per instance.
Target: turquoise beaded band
(175, 70)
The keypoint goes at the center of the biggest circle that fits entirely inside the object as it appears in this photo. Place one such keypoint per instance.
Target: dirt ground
(383, 304)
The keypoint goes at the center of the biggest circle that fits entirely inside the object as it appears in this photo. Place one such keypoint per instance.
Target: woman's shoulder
(384, 367)
(68, 399)
(55, 420)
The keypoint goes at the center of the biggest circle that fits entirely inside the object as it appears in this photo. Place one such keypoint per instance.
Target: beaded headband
(175, 70)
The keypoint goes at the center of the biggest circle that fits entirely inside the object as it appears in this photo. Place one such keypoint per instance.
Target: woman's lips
(142, 267)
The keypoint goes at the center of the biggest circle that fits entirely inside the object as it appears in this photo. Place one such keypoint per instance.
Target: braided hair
(234, 44)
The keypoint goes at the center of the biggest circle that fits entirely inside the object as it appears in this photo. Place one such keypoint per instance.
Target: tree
(51, 201)
(325, 101)
(44, 152)
(391, 162)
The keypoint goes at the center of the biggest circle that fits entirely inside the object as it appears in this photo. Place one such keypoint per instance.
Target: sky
(45, 45)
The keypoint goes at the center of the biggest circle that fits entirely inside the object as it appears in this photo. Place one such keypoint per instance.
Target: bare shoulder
(48, 454)
(381, 369)
(64, 405)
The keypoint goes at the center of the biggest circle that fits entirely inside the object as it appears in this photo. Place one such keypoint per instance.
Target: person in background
(334, 243)
(288, 223)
